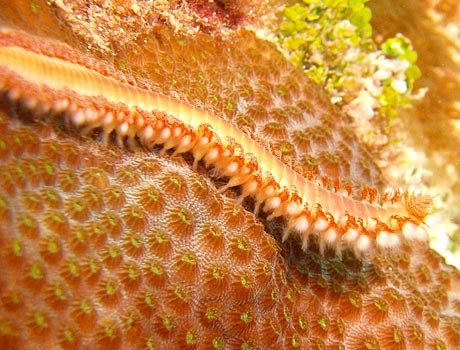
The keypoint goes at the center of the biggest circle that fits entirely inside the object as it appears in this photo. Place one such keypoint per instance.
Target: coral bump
(50, 77)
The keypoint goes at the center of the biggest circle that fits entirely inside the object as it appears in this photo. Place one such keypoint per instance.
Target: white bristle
(320, 225)
(414, 232)
(30, 102)
(61, 105)
(123, 129)
(388, 240)
(272, 203)
(231, 169)
(363, 245)
(78, 118)
(350, 236)
(293, 209)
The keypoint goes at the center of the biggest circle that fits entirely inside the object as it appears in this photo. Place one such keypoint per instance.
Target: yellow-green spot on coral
(247, 281)
(181, 293)
(169, 322)
(212, 313)
(440, 344)
(303, 322)
(49, 169)
(286, 147)
(51, 196)
(286, 313)
(161, 237)
(135, 241)
(215, 231)
(5, 329)
(3, 203)
(244, 244)
(58, 218)
(34, 7)
(246, 317)
(398, 335)
(371, 343)
(110, 331)
(77, 206)
(324, 322)
(112, 219)
(191, 337)
(18, 141)
(275, 327)
(69, 336)
(248, 345)
(16, 247)
(150, 343)
(153, 195)
(381, 304)
(219, 272)
(156, 269)
(230, 106)
(59, 292)
(288, 295)
(355, 299)
(218, 342)
(176, 181)
(184, 216)
(74, 269)
(40, 319)
(111, 287)
(32, 168)
(53, 246)
(189, 258)
(114, 252)
(28, 222)
(295, 340)
(36, 271)
(20, 171)
(94, 267)
(150, 299)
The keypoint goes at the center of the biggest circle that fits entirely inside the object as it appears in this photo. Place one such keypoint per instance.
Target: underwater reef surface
(108, 243)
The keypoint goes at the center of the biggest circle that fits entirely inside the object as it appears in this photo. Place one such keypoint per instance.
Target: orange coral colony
(126, 243)
(52, 77)
(108, 249)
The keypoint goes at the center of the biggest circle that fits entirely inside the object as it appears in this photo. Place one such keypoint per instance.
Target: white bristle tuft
(330, 236)
(293, 209)
(320, 225)
(165, 134)
(123, 129)
(30, 102)
(14, 94)
(146, 133)
(363, 245)
(388, 240)
(272, 203)
(300, 224)
(61, 105)
(350, 236)
(231, 169)
(108, 118)
(412, 231)
(212, 156)
(78, 118)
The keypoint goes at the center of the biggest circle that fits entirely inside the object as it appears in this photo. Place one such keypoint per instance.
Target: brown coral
(137, 265)
(116, 249)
